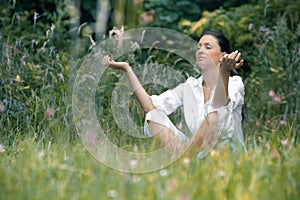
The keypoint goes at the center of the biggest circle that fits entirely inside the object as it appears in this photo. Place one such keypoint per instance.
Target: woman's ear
(222, 55)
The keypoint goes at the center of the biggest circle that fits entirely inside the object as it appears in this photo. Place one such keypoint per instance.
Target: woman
(212, 104)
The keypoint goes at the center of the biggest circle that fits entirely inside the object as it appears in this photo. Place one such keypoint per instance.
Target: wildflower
(285, 143)
(250, 26)
(41, 154)
(148, 17)
(43, 48)
(92, 41)
(221, 23)
(14, 82)
(34, 43)
(137, 1)
(221, 173)
(171, 185)
(18, 79)
(112, 193)
(267, 146)
(136, 179)
(214, 153)
(257, 124)
(163, 172)
(186, 162)
(274, 154)
(133, 163)
(35, 17)
(47, 33)
(276, 100)
(61, 77)
(66, 158)
(2, 150)
(282, 122)
(183, 197)
(50, 53)
(116, 33)
(52, 28)
(2, 107)
(50, 113)
(271, 93)
(259, 139)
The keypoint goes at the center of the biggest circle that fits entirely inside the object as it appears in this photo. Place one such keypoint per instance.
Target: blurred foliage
(37, 66)
(168, 13)
(275, 70)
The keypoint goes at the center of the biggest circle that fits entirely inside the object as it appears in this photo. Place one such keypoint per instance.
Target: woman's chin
(200, 65)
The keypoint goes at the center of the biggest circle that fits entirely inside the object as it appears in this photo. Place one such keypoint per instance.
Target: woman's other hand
(232, 61)
(124, 66)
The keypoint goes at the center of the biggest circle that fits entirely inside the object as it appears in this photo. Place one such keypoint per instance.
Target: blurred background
(43, 43)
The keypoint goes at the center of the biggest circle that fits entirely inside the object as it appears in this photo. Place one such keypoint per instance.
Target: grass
(41, 156)
(35, 170)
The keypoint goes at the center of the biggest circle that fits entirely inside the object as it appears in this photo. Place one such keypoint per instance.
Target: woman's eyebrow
(206, 43)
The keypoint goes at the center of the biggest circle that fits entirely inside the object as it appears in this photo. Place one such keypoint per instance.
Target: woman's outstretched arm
(229, 61)
(140, 93)
(160, 132)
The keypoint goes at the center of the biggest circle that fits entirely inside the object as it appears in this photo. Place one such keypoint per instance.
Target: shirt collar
(198, 82)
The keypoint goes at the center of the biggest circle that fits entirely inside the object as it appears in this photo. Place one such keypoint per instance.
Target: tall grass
(42, 158)
(34, 170)
(272, 89)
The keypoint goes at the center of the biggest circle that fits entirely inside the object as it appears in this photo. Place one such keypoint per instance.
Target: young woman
(212, 103)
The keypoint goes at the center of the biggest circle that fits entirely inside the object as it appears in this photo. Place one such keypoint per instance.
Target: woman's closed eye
(207, 47)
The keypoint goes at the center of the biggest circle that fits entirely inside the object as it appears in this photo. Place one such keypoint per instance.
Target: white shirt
(190, 96)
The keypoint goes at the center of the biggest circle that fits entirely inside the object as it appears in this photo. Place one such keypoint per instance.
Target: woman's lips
(201, 58)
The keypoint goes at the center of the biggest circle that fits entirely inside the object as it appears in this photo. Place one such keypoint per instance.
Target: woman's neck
(210, 78)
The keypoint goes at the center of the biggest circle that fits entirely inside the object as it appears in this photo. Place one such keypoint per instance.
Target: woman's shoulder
(192, 81)
(236, 83)
(235, 78)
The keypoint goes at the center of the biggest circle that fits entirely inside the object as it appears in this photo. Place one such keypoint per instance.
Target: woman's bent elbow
(148, 108)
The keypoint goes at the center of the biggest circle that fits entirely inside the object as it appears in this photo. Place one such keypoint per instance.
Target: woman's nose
(200, 50)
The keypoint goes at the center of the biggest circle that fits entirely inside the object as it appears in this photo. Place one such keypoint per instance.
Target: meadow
(43, 157)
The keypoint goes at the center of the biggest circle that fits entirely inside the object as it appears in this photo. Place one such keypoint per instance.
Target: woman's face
(209, 53)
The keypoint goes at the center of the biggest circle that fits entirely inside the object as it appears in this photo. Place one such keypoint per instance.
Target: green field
(42, 156)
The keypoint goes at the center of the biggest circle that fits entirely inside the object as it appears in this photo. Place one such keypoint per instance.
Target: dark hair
(222, 40)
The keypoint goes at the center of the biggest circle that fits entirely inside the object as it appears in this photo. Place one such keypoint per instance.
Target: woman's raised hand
(232, 61)
(124, 66)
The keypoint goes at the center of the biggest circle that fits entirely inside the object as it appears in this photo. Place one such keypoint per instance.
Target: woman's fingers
(234, 57)
(232, 60)
(106, 60)
(239, 64)
(238, 56)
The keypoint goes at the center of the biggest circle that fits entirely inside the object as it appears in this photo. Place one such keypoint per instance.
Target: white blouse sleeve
(165, 104)
(236, 94)
(169, 100)
(230, 116)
